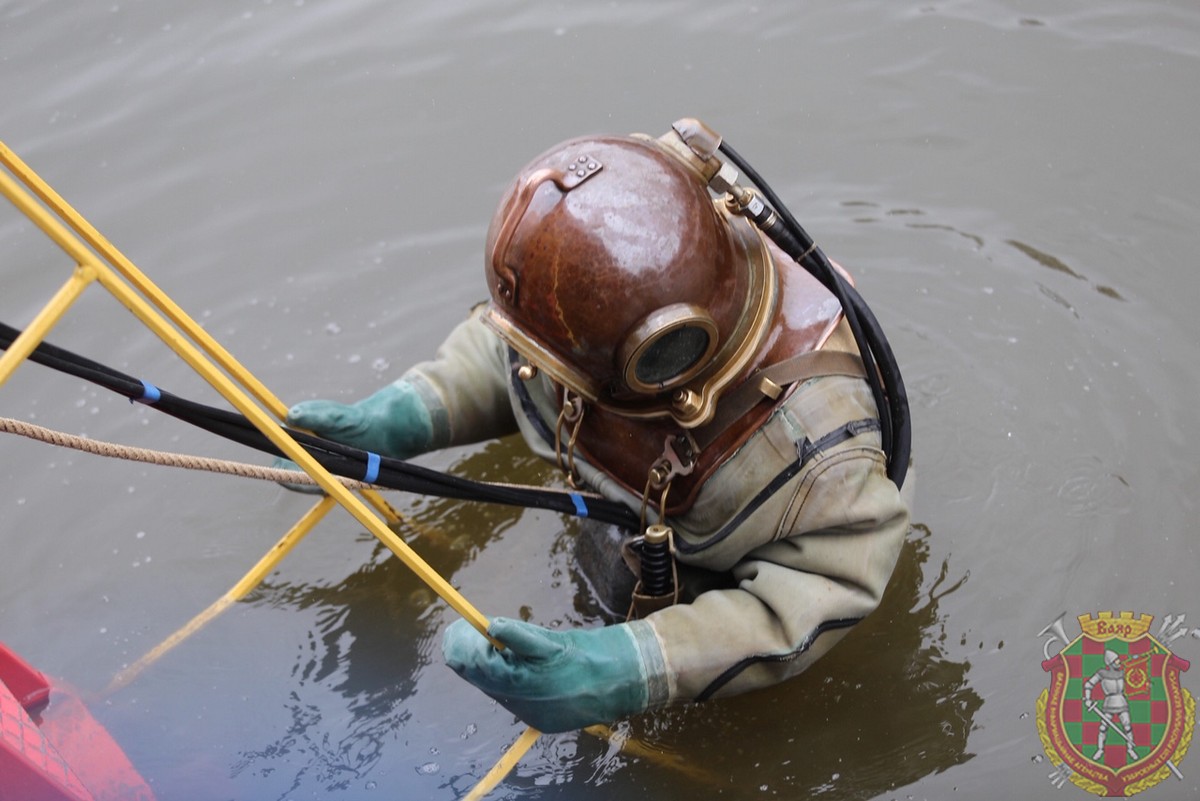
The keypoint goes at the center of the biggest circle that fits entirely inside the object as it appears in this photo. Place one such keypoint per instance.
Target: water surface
(1013, 185)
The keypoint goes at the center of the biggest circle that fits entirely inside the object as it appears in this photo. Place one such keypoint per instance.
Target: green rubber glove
(393, 422)
(553, 680)
(287, 464)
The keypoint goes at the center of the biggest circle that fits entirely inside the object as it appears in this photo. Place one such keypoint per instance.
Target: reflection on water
(884, 708)
(888, 705)
(1041, 257)
(1054, 263)
(362, 625)
(375, 632)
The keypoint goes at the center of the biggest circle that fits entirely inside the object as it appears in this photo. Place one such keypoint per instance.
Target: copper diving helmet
(613, 270)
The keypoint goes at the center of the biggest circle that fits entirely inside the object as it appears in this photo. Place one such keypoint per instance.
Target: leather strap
(771, 382)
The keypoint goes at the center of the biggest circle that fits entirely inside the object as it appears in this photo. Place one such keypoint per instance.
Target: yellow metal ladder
(98, 261)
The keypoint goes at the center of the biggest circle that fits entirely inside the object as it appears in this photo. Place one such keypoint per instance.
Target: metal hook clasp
(677, 459)
(571, 412)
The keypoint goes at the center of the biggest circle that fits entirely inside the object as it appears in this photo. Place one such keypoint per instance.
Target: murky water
(1013, 184)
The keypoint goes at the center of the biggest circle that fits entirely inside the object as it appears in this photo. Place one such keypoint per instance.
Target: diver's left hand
(553, 680)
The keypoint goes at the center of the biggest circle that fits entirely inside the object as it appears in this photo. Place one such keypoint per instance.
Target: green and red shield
(1162, 713)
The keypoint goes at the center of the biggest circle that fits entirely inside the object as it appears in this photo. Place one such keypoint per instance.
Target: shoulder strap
(770, 382)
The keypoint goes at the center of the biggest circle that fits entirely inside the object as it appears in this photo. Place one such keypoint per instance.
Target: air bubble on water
(333, 328)
(379, 365)
(429, 768)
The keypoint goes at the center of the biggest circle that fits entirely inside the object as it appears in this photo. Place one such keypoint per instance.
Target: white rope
(168, 459)
(100, 448)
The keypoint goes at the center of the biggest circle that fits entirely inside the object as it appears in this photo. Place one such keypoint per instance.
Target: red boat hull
(52, 749)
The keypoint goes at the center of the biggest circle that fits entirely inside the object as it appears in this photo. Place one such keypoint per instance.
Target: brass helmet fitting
(614, 270)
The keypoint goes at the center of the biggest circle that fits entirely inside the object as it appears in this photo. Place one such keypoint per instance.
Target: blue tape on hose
(150, 394)
(580, 507)
(372, 468)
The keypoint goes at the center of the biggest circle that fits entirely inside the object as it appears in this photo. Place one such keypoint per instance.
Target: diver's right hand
(393, 422)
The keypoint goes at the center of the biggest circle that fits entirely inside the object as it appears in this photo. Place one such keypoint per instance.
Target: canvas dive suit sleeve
(465, 386)
(806, 526)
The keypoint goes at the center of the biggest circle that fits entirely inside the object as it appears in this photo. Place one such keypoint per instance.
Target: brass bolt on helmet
(613, 269)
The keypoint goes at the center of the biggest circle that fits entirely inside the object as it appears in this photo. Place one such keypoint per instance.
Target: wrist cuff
(658, 682)
(439, 417)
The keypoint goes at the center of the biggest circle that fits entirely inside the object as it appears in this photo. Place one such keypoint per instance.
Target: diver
(644, 334)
